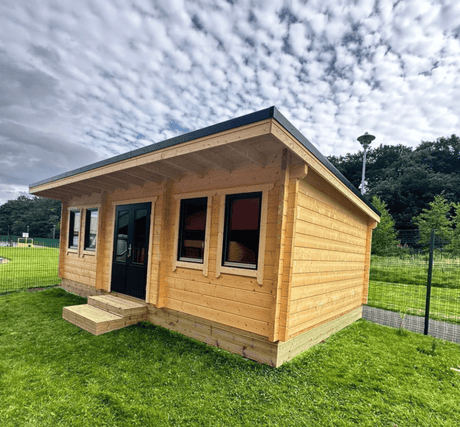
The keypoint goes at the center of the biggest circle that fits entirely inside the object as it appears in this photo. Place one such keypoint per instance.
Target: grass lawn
(28, 267)
(52, 373)
(414, 271)
(411, 299)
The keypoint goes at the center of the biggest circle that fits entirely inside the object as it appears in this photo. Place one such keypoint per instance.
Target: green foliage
(436, 217)
(38, 213)
(384, 239)
(407, 179)
(55, 374)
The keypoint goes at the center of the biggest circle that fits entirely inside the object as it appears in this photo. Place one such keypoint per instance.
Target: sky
(81, 81)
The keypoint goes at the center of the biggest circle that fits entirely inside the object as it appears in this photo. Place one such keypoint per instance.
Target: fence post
(428, 285)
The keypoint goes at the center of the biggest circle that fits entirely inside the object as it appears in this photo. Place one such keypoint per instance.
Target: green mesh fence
(398, 286)
(30, 265)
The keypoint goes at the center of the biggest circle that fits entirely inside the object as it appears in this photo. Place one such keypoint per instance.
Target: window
(74, 229)
(91, 229)
(192, 230)
(242, 230)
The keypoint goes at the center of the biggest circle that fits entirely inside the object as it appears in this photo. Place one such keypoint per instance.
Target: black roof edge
(267, 113)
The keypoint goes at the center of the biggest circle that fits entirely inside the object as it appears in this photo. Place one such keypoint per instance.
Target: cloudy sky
(80, 81)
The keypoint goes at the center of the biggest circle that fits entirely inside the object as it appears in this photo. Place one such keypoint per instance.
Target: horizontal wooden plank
(308, 254)
(306, 280)
(244, 323)
(313, 242)
(321, 203)
(313, 316)
(224, 305)
(305, 267)
(313, 217)
(335, 296)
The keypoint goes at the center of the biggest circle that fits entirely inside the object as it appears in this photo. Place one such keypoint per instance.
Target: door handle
(129, 251)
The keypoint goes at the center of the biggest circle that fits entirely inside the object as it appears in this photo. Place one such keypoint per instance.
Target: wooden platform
(105, 313)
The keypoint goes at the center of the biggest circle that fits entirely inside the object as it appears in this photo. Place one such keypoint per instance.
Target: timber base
(80, 289)
(105, 313)
(248, 344)
(109, 312)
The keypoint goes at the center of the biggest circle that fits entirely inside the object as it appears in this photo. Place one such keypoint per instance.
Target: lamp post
(365, 140)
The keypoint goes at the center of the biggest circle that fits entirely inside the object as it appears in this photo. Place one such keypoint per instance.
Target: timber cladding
(311, 272)
(329, 252)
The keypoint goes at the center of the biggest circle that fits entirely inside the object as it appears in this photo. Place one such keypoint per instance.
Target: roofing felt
(268, 113)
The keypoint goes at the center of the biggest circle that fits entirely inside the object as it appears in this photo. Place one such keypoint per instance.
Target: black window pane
(192, 229)
(91, 229)
(140, 236)
(74, 234)
(122, 236)
(242, 229)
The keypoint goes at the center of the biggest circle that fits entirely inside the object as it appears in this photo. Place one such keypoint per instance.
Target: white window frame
(241, 271)
(81, 241)
(86, 210)
(70, 249)
(207, 235)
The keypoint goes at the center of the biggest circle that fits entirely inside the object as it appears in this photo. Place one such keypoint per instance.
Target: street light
(365, 140)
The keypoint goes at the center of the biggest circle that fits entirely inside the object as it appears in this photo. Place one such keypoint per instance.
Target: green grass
(54, 374)
(401, 284)
(413, 271)
(411, 299)
(28, 267)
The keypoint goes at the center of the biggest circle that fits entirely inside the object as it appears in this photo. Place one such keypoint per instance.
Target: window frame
(258, 273)
(182, 263)
(71, 230)
(87, 229)
(229, 198)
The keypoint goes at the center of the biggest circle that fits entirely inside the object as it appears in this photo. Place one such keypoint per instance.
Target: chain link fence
(28, 263)
(405, 293)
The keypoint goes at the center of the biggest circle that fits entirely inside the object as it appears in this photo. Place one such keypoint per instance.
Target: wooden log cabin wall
(301, 276)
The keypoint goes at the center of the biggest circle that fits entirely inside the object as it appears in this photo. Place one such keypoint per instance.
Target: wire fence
(401, 295)
(28, 263)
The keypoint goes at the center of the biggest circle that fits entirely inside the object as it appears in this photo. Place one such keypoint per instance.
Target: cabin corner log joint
(241, 235)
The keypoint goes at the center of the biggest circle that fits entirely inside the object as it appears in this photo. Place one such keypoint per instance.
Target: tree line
(414, 189)
(36, 214)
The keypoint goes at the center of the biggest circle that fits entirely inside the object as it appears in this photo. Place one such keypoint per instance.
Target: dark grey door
(130, 252)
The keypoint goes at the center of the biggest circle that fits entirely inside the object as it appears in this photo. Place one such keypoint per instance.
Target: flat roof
(267, 113)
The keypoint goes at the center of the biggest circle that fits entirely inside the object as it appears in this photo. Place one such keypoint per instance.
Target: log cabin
(241, 235)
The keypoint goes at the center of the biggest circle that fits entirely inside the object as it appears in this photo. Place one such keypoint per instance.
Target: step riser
(99, 327)
(112, 308)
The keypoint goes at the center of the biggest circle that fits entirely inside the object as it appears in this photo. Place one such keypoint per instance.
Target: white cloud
(96, 74)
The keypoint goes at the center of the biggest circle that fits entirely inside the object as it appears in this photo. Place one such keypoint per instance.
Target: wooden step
(92, 319)
(120, 306)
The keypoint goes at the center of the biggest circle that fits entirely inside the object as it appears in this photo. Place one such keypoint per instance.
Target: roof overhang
(230, 145)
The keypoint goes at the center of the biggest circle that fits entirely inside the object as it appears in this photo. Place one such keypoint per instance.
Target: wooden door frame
(151, 200)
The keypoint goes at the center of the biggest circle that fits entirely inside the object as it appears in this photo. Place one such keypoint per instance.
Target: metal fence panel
(28, 265)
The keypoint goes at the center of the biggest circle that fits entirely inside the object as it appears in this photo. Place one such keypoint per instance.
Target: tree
(437, 217)
(407, 179)
(37, 213)
(384, 238)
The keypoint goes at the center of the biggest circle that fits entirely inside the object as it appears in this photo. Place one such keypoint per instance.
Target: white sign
(25, 234)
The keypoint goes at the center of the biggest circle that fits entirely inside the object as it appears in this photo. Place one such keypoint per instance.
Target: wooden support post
(165, 239)
(283, 186)
(103, 239)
